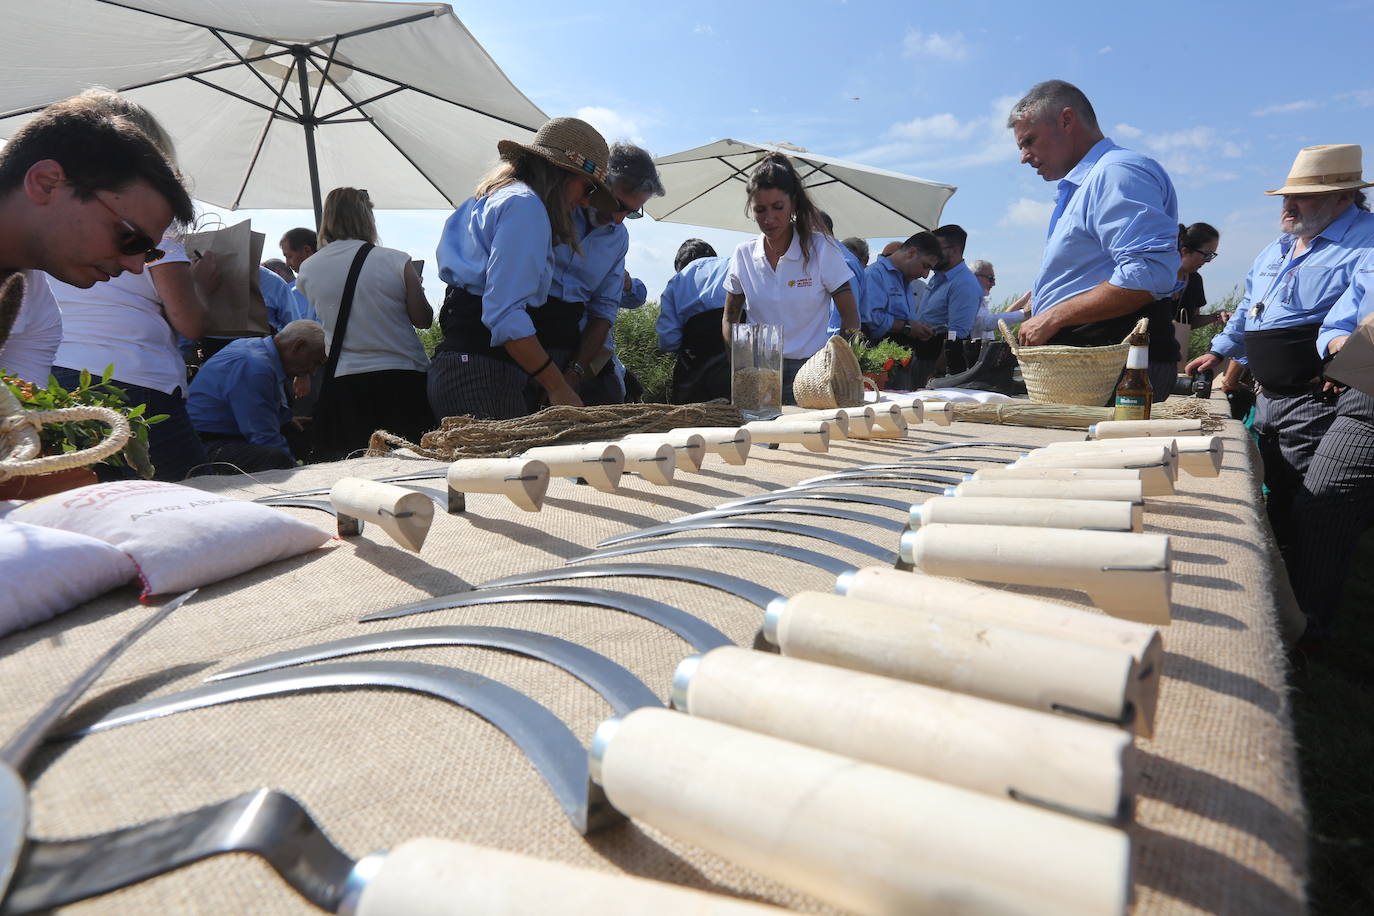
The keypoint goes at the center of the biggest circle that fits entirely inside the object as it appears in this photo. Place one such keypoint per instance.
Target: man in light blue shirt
(237, 401)
(284, 303)
(953, 296)
(1113, 235)
(689, 314)
(1289, 291)
(856, 270)
(889, 311)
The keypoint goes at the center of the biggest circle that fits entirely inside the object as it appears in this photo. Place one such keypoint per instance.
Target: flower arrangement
(879, 357)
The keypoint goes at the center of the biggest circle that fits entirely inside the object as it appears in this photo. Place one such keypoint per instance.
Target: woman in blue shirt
(496, 255)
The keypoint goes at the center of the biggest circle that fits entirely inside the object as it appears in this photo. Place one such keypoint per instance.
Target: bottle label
(1138, 358)
(1131, 407)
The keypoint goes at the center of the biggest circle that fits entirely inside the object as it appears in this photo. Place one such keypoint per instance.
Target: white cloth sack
(178, 537)
(47, 572)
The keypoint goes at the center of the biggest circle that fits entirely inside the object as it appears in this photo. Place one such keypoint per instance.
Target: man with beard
(1289, 290)
(952, 297)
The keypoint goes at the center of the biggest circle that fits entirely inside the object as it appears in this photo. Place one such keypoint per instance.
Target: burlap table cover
(1219, 823)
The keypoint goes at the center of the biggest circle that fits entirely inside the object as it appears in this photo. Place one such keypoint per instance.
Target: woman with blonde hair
(505, 341)
(132, 322)
(370, 301)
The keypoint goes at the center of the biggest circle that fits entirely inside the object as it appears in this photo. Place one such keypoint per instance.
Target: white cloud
(1363, 97)
(1286, 108)
(612, 124)
(946, 141)
(703, 28)
(933, 44)
(1127, 131)
(1027, 213)
(934, 128)
(1191, 154)
(1105, 49)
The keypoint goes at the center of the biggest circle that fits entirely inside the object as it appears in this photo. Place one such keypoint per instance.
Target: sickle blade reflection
(618, 686)
(848, 541)
(901, 505)
(742, 588)
(886, 524)
(551, 746)
(696, 631)
(800, 554)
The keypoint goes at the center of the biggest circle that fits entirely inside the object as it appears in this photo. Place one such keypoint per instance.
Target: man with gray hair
(237, 400)
(858, 248)
(1113, 237)
(595, 277)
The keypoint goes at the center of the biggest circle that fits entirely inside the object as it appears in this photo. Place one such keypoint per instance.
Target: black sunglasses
(630, 213)
(1207, 256)
(135, 241)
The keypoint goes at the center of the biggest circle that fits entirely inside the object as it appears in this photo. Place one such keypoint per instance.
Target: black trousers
(1289, 430)
(352, 407)
(1332, 508)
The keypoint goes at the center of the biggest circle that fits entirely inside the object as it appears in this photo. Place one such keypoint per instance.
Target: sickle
(861, 498)
(848, 541)
(712, 578)
(886, 524)
(899, 472)
(823, 561)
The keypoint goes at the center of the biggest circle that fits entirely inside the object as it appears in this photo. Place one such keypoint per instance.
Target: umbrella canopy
(269, 101)
(706, 188)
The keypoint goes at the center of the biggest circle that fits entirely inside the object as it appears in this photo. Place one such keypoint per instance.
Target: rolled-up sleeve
(521, 253)
(605, 302)
(1136, 228)
(1354, 304)
(668, 326)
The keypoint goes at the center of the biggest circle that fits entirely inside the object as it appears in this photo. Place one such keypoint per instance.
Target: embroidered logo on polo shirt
(803, 282)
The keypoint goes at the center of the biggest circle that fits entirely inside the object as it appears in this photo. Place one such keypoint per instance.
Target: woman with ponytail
(1173, 317)
(789, 274)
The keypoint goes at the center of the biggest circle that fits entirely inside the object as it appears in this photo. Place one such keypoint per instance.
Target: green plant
(61, 438)
(879, 357)
(1200, 339)
(430, 338)
(636, 343)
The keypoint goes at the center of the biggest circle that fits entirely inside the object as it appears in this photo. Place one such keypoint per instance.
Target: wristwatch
(906, 328)
(576, 367)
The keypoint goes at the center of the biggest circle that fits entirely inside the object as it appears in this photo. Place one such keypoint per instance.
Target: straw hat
(570, 144)
(1318, 169)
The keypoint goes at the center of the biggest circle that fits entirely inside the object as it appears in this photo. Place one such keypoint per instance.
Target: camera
(1198, 386)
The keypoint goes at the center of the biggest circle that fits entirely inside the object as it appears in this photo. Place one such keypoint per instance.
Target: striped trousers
(1289, 430)
(1332, 508)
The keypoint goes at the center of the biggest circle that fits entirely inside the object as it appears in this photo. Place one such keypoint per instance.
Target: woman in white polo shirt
(790, 273)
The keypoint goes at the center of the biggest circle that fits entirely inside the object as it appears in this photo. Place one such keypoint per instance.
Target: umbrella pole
(308, 121)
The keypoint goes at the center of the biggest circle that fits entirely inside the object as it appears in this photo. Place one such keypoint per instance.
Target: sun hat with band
(571, 144)
(1319, 169)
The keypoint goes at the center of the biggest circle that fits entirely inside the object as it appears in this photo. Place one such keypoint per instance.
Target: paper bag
(1354, 364)
(236, 306)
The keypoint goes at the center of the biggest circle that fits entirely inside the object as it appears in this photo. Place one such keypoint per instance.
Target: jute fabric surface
(1219, 824)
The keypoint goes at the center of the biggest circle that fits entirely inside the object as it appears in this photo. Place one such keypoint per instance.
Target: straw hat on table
(1319, 169)
(571, 144)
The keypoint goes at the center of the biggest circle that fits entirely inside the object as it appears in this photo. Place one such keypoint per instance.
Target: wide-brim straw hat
(1319, 169)
(571, 144)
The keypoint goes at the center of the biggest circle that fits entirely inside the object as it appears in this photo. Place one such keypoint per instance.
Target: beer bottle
(1133, 394)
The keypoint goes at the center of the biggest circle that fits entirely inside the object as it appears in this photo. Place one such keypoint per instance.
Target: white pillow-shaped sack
(47, 572)
(178, 537)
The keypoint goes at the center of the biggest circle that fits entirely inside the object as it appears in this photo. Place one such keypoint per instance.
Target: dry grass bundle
(1072, 416)
(466, 437)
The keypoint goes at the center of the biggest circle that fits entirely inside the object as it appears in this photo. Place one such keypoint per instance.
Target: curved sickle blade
(696, 631)
(438, 497)
(800, 554)
(889, 483)
(948, 446)
(901, 505)
(895, 471)
(551, 746)
(742, 588)
(620, 688)
(877, 521)
(848, 541)
(439, 473)
(300, 502)
(939, 464)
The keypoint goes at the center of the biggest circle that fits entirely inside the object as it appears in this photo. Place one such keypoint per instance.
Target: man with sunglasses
(595, 276)
(83, 196)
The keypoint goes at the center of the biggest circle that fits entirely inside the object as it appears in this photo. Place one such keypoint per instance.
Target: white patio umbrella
(268, 101)
(706, 188)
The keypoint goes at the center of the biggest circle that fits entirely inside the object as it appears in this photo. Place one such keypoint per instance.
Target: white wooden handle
(1091, 455)
(521, 480)
(941, 413)
(838, 419)
(1078, 514)
(1126, 575)
(986, 746)
(865, 838)
(1199, 456)
(813, 435)
(598, 463)
(1035, 473)
(889, 417)
(731, 443)
(897, 590)
(401, 513)
(861, 419)
(652, 459)
(689, 448)
(430, 877)
(993, 661)
(1157, 473)
(1114, 429)
(1119, 490)
(911, 408)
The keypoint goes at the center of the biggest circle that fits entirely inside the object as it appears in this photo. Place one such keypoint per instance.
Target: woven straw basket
(1071, 375)
(830, 378)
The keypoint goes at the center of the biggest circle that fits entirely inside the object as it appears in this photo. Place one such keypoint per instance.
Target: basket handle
(1009, 337)
(1141, 327)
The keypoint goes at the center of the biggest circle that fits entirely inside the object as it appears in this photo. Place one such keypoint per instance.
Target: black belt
(557, 325)
(1284, 360)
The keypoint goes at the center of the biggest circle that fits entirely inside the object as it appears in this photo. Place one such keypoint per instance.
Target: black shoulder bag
(327, 422)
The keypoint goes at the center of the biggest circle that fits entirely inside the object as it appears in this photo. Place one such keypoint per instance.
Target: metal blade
(848, 541)
(947, 446)
(889, 483)
(740, 588)
(696, 631)
(897, 472)
(439, 473)
(439, 497)
(901, 505)
(939, 464)
(550, 745)
(886, 524)
(268, 823)
(301, 502)
(621, 689)
(14, 800)
(800, 554)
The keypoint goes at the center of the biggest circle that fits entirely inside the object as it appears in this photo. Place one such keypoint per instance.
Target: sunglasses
(1207, 256)
(135, 240)
(991, 278)
(630, 212)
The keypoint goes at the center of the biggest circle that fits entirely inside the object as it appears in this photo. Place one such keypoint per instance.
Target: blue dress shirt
(1302, 290)
(284, 303)
(241, 391)
(637, 296)
(888, 298)
(500, 248)
(1115, 221)
(856, 286)
(596, 277)
(1353, 307)
(698, 287)
(952, 300)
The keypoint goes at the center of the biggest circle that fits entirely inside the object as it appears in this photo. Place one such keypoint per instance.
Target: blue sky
(1223, 94)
